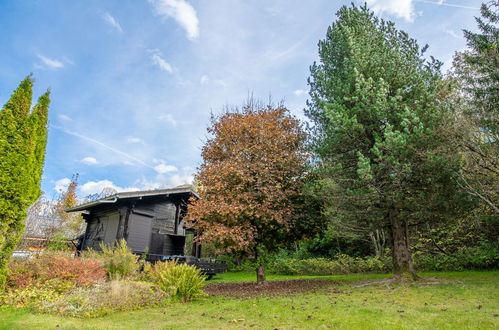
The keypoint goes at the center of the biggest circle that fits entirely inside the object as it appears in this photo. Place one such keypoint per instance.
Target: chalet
(149, 221)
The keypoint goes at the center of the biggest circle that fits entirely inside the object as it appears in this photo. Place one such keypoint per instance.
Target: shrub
(109, 297)
(341, 264)
(483, 256)
(58, 243)
(178, 280)
(31, 296)
(54, 266)
(118, 260)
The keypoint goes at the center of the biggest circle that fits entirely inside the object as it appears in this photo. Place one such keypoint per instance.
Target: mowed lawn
(450, 300)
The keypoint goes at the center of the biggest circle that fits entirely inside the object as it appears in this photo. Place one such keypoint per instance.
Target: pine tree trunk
(260, 274)
(402, 258)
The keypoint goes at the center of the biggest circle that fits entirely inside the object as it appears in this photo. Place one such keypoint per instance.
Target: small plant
(178, 280)
(118, 260)
(100, 300)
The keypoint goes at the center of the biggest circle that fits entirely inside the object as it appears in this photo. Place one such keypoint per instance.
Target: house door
(139, 232)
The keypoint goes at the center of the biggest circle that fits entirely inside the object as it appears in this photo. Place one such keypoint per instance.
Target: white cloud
(64, 117)
(179, 179)
(49, 63)
(96, 187)
(182, 12)
(204, 79)
(62, 184)
(134, 140)
(161, 63)
(112, 21)
(398, 8)
(168, 118)
(89, 161)
(163, 168)
(299, 92)
(452, 33)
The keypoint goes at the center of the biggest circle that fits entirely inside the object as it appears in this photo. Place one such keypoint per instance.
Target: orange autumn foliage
(249, 181)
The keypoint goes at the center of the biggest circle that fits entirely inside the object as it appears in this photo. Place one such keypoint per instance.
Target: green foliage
(23, 137)
(117, 295)
(118, 260)
(341, 264)
(483, 256)
(58, 242)
(180, 281)
(31, 296)
(480, 70)
(377, 114)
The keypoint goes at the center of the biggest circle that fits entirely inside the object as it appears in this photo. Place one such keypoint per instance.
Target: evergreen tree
(23, 137)
(377, 111)
(481, 68)
(476, 70)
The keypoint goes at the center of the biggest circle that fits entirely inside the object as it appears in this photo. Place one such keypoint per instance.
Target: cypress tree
(23, 137)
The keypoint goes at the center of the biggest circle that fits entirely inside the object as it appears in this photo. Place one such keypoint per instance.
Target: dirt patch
(270, 288)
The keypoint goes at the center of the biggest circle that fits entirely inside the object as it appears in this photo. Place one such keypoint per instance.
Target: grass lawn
(448, 300)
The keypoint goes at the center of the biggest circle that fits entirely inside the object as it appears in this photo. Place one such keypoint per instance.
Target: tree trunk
(260, 274)
(402, 258)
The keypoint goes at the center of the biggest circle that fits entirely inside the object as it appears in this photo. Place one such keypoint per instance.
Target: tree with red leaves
(250, 182)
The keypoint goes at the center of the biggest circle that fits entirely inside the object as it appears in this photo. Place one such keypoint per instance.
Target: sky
(134, 82)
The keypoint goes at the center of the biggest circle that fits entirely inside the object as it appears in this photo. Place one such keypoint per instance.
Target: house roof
(133, 194)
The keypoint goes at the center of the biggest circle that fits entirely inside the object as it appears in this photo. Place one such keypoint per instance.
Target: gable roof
(133, 194)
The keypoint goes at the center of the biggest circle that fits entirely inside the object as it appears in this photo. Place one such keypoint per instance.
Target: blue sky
(134, 81)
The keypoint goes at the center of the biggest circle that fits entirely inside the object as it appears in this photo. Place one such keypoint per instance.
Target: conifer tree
(23, 137)
(376, 111)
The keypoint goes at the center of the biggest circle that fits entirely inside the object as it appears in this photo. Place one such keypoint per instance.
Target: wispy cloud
(168, 118)
(398, 8)
(299, 92)
(132, 139)
(49, 63)
(161, 63)
(443, 3)
(103, 145)
(182, 12)
(89, 161)
(64, 117)
(112, 21)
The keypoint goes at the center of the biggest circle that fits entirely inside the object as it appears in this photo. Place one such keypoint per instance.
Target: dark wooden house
(149, 221)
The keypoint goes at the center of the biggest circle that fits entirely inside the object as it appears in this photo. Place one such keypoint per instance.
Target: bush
(178, 280)
(58, 243)
(33, 295)
(54, 266)
(100, 300)
(341, 264)
(483, 256)
(118, 260)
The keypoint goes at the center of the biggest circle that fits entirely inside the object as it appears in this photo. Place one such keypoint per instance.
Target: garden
(380, 211)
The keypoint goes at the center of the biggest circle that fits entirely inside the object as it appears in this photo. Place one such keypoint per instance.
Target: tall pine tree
(376, 111)
(23, 137)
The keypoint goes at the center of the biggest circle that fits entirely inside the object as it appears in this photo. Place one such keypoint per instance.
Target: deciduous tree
(250, 182)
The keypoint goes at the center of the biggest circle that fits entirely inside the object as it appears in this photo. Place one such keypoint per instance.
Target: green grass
(459, 300)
